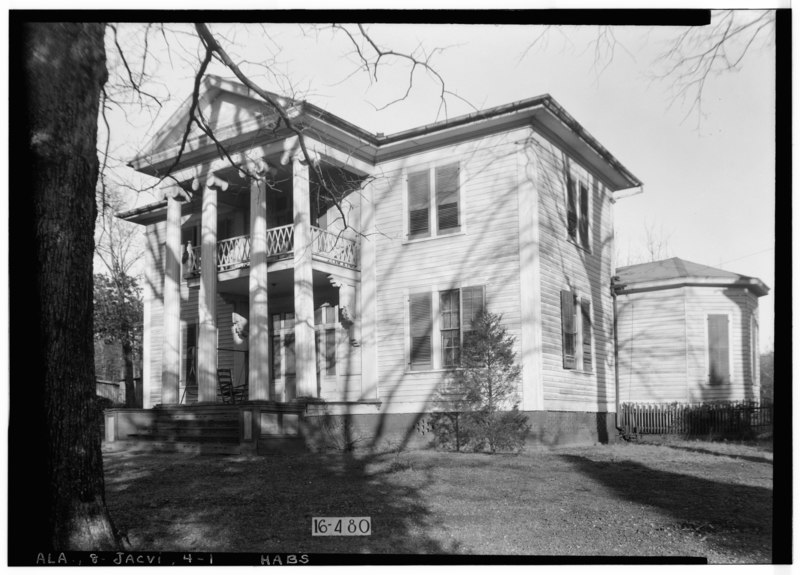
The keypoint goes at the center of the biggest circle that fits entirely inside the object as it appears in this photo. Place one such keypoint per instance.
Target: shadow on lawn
(738, 517)
(753, 458)
(169, 502)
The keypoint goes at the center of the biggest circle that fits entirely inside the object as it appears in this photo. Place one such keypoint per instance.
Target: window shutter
(586, 331)
(584, 216)
(447, 197)
(572, 208)
(568, 328)
(420, 327)
(419, 198)
(718, 366)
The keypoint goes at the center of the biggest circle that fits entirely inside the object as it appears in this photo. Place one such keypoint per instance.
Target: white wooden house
(687, 333)
(362, 311)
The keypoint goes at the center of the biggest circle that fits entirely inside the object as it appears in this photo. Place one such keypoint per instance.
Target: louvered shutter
(584, 216)
(586, 332)
(568, 328)
(419, 197)
(447, 198)
(420, 327)
(572, 208)
(718, 349)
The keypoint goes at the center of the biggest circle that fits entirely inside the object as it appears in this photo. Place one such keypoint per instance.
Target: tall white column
(259, 344)
(368, 294)
(306, 373)
(171, 355)
(207, 302)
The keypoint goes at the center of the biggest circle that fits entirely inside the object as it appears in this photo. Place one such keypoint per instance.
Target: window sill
(437, 370)
(430, 238)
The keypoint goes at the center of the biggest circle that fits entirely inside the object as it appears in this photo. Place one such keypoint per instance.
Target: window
(576, 332)
(578, 212)
(718, 349)
(456, 312)
(325, 338)
(434, 191)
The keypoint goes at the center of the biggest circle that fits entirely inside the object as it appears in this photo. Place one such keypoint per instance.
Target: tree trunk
(64, 69)
(130, 389)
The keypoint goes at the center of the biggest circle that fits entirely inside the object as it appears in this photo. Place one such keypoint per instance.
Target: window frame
(433, 222)
(581, 186)
(437, 332)
(729, 334)
(581, 308)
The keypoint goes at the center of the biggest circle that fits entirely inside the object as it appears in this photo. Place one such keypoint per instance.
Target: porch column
(171, 358)
(207, 302)
(368, 294)
(259, 344)
(305, 368)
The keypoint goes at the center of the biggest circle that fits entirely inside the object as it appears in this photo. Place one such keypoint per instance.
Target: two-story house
(345, 285)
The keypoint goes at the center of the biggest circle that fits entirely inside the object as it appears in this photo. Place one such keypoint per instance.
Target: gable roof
(240, 116)
(677, 272)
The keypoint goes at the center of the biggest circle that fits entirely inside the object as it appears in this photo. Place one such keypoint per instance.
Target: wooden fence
(696, 419)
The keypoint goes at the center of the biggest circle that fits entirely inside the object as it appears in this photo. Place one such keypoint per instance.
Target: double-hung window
(456, 312)
(578, 211)
(576, 331)
(434, 202)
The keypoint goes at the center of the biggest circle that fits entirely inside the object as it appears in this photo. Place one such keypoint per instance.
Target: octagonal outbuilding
(686, 332)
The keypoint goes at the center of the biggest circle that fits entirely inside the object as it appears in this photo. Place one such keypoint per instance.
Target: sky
(708, 178)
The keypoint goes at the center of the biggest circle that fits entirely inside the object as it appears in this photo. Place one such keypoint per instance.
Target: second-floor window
(434, 202)
(578, 211)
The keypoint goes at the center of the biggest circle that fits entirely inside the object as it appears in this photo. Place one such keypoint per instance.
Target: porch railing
(233, 253)
(334, 248)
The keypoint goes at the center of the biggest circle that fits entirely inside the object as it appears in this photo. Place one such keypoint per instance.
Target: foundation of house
(266, 427)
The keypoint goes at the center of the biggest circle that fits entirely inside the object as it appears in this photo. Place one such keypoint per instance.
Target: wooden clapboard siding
(739, 305)
(566, 266)
(486, 253)
(651, 337)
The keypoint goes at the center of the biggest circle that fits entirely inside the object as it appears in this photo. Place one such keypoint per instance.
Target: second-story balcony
(234, 253)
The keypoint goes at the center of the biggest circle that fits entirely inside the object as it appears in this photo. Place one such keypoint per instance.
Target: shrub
(481, 406)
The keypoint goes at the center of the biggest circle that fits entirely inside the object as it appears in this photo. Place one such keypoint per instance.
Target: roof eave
(755, 285)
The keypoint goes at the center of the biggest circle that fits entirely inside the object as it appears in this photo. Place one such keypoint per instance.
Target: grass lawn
(689, 498)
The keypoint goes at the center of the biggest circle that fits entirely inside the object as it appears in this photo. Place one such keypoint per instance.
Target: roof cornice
(543, 113)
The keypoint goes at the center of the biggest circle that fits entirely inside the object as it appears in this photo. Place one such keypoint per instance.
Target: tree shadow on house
(265, 504)
(729, 515)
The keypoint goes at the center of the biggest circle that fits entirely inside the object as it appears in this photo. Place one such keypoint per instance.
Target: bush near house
(483, 403)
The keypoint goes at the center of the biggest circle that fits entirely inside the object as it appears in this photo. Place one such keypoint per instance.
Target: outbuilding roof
(677, 272)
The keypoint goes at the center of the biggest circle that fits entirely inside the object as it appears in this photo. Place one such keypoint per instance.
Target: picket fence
(696, 419)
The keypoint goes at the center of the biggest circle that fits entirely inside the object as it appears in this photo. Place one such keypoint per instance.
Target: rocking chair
(228, 392)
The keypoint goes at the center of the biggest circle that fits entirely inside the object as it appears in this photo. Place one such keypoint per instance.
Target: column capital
(174, 191)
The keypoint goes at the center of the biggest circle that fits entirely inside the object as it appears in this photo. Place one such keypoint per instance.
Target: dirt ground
(675, 498)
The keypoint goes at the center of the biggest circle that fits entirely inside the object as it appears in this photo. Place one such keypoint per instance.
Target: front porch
(335, 364)
(279, 309)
